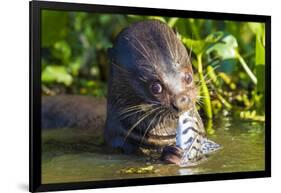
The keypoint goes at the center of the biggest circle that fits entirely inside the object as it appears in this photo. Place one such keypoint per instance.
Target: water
(68, 157)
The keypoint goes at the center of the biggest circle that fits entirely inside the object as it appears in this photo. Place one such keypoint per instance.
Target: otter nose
(181, 103)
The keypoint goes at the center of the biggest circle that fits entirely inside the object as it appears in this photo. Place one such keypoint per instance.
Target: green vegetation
(228, 58)
(142, 170)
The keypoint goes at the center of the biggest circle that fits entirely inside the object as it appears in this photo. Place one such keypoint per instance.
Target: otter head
(151, 82)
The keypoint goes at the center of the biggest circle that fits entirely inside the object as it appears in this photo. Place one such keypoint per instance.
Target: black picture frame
(35, 96)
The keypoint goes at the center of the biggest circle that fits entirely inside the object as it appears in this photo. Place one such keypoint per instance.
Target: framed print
(124, 96)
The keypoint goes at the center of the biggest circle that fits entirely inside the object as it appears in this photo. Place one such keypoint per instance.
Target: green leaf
(172, 21)
(223, 44)
(157, 18)
(53, 26)
(260, 53)
(62, 51)
(55, 73)
(223, 48)
(259, 30)
(197, 46)
(204, 90)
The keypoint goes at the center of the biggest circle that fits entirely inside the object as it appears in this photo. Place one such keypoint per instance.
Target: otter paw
(172, 155)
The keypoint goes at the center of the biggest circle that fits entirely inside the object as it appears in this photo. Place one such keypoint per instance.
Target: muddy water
(68, 157)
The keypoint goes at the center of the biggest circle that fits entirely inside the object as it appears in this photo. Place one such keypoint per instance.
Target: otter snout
(181, 103)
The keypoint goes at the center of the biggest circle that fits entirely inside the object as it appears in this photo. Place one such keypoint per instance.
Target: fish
(193, 143)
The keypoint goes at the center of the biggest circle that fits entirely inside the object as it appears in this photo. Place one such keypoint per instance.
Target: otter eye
(156, 87)
(188, 78)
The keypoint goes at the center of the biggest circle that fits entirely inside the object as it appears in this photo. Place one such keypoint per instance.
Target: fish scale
(194, 145)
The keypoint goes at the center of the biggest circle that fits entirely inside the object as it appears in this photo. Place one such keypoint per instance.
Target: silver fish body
(193, 142)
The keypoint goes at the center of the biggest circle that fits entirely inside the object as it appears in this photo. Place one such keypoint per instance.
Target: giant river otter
(151, 84)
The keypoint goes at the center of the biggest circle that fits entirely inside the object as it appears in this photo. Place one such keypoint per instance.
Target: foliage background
(228, 58)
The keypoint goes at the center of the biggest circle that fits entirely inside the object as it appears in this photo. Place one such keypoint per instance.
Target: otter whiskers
(145, 115)
(134, 108)
(205, 77)
(200, 100)
(148, 127)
